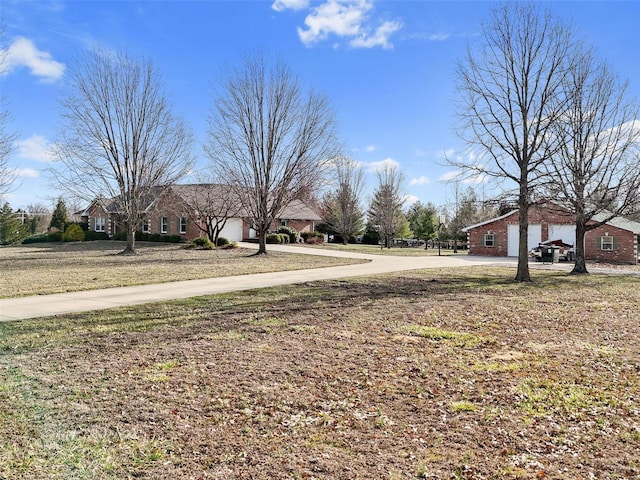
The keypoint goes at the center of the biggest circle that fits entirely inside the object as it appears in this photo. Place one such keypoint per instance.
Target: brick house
(615, 241)
(174, 211)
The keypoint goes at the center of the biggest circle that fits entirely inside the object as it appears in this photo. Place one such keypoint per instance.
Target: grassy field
(443, 374)
(41, 269)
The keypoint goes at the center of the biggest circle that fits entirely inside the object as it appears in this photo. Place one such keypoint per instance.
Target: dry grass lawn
(439, 374)
(41, 269)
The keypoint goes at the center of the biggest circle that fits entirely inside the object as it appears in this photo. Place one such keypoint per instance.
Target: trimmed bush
(155, 237)
(73, 233)
(294, 236)
(121, 236)
(91, 235)
(54, 237)
(173, 239)
(142, 236)
(222, 242)
(314, 237)
(201, 242)
(41, 238)
(274, 238)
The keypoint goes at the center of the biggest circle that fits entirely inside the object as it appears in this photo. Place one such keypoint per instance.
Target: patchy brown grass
(41, 269)
(434, 374)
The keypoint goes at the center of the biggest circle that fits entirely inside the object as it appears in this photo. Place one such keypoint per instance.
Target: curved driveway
(45, 305)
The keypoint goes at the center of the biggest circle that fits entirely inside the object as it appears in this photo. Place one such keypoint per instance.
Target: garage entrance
(534, 237)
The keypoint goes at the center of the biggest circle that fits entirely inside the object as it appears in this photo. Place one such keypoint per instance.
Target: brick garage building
(615, 241)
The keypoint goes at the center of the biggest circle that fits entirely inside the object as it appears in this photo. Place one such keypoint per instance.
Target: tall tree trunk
(522, 274)
(580, 266)
(130, 249)
(262, 242)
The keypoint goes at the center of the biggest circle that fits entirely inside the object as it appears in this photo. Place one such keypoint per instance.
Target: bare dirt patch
(433, 374)
(39, 269)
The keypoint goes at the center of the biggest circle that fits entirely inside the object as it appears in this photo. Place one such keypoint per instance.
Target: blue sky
(387, 67)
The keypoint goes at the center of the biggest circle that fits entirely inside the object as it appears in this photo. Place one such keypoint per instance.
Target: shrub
(230, 245)
(173, 239)
(201, 242)
(314, 237)
(73, 233)
(119, 236)
(154, 237)
(294, 236)
(274, 238)
(142, 236)
(221, 242)
(91, 235)
(43, 237)
(54, 237)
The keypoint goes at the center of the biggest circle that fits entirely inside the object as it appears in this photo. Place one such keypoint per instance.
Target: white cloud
(36, 148)
(420, 181)
(281, 5)
(23, 53)
(449, 176)
(26, 173)
(377, 166)
(379, 38)
(370, 148)
(347, 19)
(438, 37)
(410, 200)
(458, 175)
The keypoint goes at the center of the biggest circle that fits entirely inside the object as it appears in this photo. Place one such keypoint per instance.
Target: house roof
(203, 194)
(619, 222)
(491, 220)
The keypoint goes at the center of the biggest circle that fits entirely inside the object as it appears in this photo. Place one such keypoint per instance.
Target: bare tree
(510, 92)
(7, 142)
(119, 137)
(596, 171)
(211, 206)
(342, 210)
(386, 206)
(269, 140)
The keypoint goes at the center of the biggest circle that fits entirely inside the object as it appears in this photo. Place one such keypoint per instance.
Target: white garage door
(566, 233)
(534, 237)
(232, 230)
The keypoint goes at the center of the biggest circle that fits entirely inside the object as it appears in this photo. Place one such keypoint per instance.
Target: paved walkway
(46, 305)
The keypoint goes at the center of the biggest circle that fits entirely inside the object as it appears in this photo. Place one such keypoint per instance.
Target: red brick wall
(625, 250)
(626, 243)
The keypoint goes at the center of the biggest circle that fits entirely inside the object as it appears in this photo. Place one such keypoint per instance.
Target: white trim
(486, 222)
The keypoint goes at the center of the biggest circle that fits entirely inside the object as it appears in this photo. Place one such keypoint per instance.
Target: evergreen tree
(59, 217)
(423, 220)
(385, 211)
(11, 230)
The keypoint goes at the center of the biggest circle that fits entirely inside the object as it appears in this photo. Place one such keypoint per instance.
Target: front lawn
(432, 374)
(41, 269)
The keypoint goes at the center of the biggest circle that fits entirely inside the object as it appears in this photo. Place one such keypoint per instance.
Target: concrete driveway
(46, 305)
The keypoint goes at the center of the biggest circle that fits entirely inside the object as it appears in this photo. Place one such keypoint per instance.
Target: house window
(164, 225)
(284, 223)
(606, 243)
(183, 224)
(489, 240)
(100, 224)
(145, 226)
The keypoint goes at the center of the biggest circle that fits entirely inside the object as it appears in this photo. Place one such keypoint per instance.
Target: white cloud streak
(420, 181)
(281, 5)
(374, 167)
(35, 148)
(26, 173)
(23, 53)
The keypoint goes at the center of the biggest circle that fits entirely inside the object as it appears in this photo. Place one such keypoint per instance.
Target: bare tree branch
(269, 139)
(119, 137)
